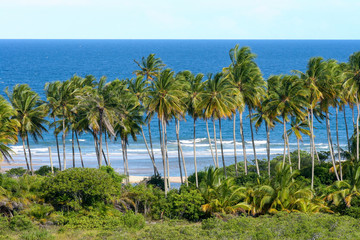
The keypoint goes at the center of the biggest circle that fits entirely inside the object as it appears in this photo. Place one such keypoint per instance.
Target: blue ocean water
(36, 62)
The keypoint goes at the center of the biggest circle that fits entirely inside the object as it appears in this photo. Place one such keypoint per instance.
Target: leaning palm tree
(289, 99)
(316, 68)
(8, 130)
(165, 98)
(218, 102)
(30, 113)
(353, 84)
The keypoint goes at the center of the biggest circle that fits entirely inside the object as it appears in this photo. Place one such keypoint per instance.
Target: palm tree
(165, 98)
(195, 87)
(353, 84)
(99, 109)
(289, 99)
(8, 130)
(150, 67)
(316, 68)
(218, 102)
(299, 127)
(139, 87)
(30, 113)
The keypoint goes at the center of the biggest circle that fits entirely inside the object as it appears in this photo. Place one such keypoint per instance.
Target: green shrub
(133, 220)
(4, 223)
(45, 170)
(116, 176)
(16, 172)
(37, 235)
(20, 222)
(157, 181)
(79, 187)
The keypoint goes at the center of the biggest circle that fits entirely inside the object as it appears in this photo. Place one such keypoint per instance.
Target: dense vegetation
(229, 201)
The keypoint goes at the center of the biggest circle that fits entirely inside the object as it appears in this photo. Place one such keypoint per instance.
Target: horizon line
(229, 39)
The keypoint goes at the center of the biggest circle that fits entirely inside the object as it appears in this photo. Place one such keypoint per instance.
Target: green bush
(116, 176)
(20, 222)
(16, 172)
(45, 170)
(79, 187)
(156, 181)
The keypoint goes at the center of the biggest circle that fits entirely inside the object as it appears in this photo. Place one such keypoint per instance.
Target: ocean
(36, 62)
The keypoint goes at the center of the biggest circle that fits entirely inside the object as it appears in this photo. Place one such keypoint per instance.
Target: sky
(179, 19)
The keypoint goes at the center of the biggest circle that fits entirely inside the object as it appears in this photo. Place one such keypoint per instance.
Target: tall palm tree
(353, 84)
(100, 113)
(289, 99)
(299, 127)
(30, 113)
(316, 68)
(8, 130)
(218, 102)
(246, 77)
(195, 87)
(165, 98)
(150, 68)
(139, 87)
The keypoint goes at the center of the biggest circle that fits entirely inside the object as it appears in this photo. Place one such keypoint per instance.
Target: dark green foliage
(16, 172)
(157, 181)
(322, 174)
(45, 170)
(79, 187)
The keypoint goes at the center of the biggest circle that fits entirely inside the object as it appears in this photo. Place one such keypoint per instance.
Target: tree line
(118, 109)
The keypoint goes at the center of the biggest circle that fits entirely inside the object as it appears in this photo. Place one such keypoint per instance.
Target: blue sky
(180, 19)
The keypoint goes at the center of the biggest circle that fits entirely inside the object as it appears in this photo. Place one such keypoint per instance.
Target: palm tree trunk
(288, 150)
(234, 135)
(347, 131)
(27, 162)
(30, 157)
(267, 128)
(100, 138)
(216, 150)
(330, 147)
(182, 156)
(58, 151)
(222, 149)
(167, 157)
(284, 137)
(127, 160)
(312, 146)
(96, 147)
(243, 142)
(73, 147)
(78, 143)
(195, 165)
(107, 149)
(178, 148)
(105, 159)
(357, 128)
(150, 141)
(63, 139)
(208, 134)
(353, 116)
(162, 139)
(57, 145)
(147, 148)
(338, 143)
(253, 143)
(124, 160)
(299, 155)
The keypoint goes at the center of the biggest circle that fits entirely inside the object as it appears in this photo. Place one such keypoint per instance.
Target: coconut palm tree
(289, 99)
(165, 98)
(195, 87)
(30, 113)
(8, 130)
(139, 87)
(299, 127)
(353, 84)
(316, 68)
(218, 102)
(246, 77)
